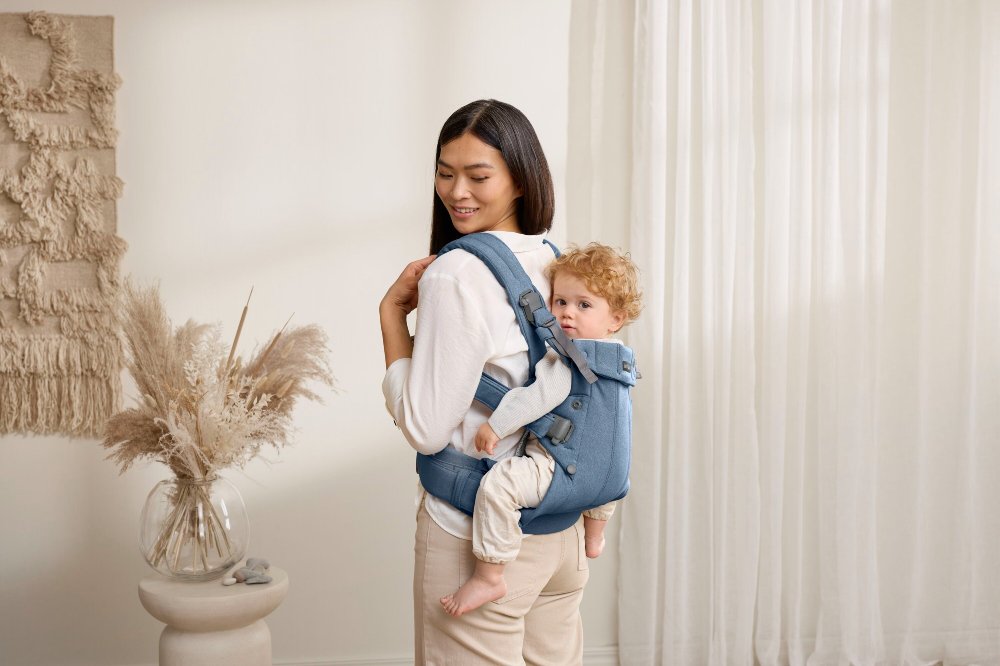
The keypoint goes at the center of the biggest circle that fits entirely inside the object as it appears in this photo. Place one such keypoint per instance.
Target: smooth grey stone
(257, 579)
(243, 573)
(258, 564)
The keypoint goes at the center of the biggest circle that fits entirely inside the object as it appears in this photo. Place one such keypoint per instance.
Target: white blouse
(465, 326)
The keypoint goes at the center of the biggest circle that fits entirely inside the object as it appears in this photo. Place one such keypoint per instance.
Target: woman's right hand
(402, 294)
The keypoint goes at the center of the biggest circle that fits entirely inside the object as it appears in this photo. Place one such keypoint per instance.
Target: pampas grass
(202, 409)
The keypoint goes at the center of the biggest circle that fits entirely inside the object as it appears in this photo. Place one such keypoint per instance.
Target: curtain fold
(815, 206)
(701, 326)
(822, 226)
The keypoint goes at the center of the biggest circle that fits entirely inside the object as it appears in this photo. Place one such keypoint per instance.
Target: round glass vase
(194, 529)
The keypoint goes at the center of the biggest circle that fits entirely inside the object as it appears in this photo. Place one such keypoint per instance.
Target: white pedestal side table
(210, 624)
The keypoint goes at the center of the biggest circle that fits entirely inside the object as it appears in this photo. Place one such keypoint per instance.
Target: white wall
(288, 146)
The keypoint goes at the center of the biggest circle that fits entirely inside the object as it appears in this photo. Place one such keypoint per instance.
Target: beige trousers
(538, 623)
(513, 483)
(519, 481)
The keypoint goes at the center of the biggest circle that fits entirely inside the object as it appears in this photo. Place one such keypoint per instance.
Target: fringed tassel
(58, 385)
(76, 324)
(75, 406)
(93, 354)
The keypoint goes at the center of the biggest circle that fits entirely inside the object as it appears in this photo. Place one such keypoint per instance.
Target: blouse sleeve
(429, 394)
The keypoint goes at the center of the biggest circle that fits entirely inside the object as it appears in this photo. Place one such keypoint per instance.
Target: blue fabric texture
(592, 463)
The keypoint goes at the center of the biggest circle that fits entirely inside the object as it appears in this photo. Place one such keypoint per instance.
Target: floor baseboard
(603, 656)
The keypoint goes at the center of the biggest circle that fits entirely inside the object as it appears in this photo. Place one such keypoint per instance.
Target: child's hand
(486, 439)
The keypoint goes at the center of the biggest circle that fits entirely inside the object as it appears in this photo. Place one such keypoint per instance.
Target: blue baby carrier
(589, 435)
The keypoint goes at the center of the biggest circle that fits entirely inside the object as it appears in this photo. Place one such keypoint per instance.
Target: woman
(491, 175)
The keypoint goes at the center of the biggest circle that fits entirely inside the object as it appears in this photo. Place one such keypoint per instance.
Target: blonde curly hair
(606, 271)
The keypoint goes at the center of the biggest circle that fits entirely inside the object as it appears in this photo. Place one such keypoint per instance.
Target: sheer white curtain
(814, 201)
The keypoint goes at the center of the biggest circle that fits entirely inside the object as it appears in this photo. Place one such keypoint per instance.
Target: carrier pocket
(526, 581)
(463, 494)
(454, 483)
(516, 594)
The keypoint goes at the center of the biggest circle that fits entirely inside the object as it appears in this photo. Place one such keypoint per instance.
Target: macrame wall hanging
(60, 356)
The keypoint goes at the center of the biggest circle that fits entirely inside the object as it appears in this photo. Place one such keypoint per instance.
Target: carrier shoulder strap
(538, 325)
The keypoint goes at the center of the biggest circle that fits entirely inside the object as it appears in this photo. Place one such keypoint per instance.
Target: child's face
(580, 312)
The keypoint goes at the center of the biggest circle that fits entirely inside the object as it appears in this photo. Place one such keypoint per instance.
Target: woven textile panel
(60, 356)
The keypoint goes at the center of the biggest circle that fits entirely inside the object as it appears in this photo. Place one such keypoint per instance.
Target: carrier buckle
(560, 430)
(531, 301)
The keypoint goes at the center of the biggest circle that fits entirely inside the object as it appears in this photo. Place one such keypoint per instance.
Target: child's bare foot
(594, 546)
(474, 593)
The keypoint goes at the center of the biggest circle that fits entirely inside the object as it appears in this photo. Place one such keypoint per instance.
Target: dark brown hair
(505, 128)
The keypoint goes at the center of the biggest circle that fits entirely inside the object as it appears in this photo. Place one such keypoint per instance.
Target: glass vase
(194, 529)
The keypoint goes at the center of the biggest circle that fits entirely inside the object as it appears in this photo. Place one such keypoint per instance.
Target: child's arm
(526, 404)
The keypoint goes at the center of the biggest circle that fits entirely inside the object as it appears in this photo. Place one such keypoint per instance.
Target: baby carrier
(589, 435)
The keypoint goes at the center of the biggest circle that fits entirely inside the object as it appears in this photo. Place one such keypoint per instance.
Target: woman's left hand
(400, 300)
(403, 292)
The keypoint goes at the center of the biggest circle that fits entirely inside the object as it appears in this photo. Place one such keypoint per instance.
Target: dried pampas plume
(202, 408)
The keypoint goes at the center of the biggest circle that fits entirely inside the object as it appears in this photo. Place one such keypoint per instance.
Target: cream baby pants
(512, 484)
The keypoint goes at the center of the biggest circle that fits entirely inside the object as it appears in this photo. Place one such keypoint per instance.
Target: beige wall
(288, 146)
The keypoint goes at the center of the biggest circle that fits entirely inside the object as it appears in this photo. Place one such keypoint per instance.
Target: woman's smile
(463, 212)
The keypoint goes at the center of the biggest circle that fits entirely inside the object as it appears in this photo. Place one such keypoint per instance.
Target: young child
(595, 292)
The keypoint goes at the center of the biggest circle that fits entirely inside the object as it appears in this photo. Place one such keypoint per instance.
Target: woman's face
(474, 184)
